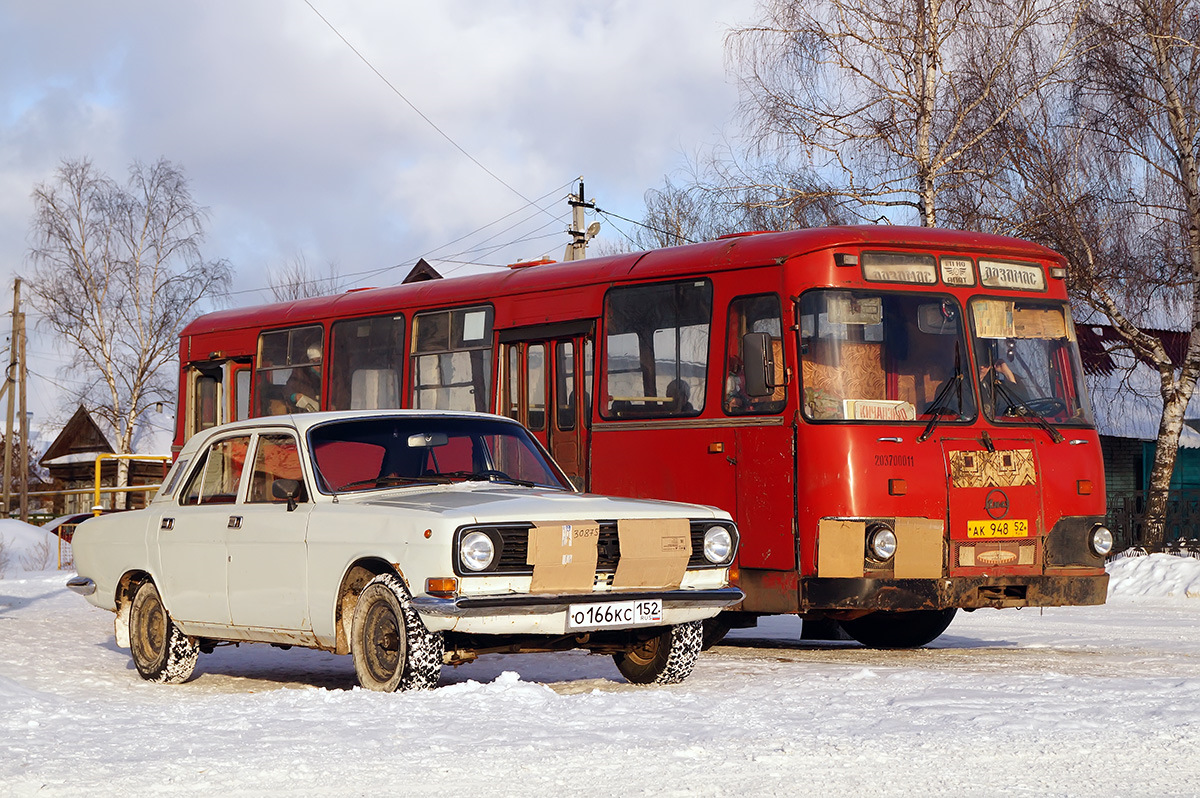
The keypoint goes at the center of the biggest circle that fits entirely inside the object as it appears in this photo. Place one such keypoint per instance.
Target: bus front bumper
(962, 592)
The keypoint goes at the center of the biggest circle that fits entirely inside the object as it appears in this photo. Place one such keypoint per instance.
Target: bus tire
(666, 658)
(911, 629)
(391, 647)
(161, 653)
(715, 629)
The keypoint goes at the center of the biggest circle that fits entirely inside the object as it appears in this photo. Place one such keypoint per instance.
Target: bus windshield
(874, 356)
(1027, 361)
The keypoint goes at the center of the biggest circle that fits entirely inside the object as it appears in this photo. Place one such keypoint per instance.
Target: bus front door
(546, 385)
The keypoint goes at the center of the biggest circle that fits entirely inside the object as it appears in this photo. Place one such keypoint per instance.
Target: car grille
(514, 548)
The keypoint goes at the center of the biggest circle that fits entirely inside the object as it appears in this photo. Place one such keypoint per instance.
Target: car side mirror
(759, 359)
(289, 490)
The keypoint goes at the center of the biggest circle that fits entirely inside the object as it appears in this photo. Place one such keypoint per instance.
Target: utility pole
(9, 379)
(577, 249)
(22, 379)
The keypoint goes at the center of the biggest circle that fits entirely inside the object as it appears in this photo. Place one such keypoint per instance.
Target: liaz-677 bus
(895, 417)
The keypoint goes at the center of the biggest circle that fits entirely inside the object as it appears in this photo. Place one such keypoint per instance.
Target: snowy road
(1078, 701)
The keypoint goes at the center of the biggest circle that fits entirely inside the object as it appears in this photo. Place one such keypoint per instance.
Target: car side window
(277, 477)
(217, 479)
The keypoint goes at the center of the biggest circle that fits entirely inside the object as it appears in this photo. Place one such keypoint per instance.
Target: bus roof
(742, 250)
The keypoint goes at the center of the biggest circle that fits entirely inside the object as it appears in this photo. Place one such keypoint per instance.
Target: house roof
(79, 435)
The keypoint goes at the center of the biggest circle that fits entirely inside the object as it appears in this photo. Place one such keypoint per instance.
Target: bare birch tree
(891, 99)
(117, 273)
(1114, 184)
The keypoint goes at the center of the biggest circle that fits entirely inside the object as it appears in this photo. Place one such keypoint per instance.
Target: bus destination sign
(898, 267)
(1006, 274)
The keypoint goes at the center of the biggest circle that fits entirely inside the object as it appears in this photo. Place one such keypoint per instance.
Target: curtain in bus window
(288, 376)
(366, 363)
(753, 314)
(536, 391)
(657, 349)
(885, 357)
(452, 359)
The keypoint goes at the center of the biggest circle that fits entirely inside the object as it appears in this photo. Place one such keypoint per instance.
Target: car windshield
(1027, 361)
(366, 454)
(871, 356)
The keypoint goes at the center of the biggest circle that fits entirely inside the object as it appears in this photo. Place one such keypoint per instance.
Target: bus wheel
(899, 629)
(667, 658)
(715, 629)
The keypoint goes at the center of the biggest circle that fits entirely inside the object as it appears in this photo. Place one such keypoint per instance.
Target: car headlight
(1101, 541)
(718, 544)
(881, 543)
(476, 551)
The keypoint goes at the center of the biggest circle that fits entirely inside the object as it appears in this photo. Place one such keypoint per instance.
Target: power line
(415, 109)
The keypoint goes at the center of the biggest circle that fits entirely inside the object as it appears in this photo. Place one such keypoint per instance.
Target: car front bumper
(546, 613)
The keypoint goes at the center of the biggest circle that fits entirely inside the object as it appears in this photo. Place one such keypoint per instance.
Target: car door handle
(235, 522)
(167, 523)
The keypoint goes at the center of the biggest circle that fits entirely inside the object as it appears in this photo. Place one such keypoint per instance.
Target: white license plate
(612, 614)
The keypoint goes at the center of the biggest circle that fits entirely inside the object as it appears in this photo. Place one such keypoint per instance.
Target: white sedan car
(407, 539)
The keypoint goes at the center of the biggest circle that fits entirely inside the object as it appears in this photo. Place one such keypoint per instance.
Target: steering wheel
(1046, 405)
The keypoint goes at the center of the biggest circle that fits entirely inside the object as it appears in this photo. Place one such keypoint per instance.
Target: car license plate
(614, 614)
(1007, 528)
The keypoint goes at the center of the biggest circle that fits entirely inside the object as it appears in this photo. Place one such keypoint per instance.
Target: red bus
(896, 417)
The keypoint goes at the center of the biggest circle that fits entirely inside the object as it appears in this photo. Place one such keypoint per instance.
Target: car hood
(472, 502)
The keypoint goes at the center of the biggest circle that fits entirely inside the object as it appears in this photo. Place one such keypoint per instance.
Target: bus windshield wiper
(936, 408)
(1025, 411)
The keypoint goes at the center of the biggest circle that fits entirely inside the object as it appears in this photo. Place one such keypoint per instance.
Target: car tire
(391, 647)
(161, 653)
(911, 629)
(666, 658)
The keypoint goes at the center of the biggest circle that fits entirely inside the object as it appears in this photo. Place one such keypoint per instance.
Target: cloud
(297, 147)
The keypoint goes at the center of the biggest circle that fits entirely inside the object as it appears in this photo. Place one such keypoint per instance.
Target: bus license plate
(1008, 528)
(615, 613)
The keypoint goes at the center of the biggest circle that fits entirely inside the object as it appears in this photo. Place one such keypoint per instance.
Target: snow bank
(25, 547)
(1155, 575)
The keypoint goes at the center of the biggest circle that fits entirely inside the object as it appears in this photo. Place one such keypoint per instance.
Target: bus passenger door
(541, 384)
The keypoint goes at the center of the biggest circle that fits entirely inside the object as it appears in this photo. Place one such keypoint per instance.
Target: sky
(298, 149)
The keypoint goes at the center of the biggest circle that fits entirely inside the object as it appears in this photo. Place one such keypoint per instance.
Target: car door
(190, 541)
(268, 579)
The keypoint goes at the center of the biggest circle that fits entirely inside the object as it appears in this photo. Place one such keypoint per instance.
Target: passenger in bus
(302, 391)
(679, 392)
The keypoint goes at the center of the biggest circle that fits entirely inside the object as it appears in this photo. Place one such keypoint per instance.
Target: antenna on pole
(577, 249)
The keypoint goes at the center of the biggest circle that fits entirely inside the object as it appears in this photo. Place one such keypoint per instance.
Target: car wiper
(389, 481)
(1025, 411)
(490, 475)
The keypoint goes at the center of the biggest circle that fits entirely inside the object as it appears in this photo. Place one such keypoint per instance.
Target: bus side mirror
(760, 364)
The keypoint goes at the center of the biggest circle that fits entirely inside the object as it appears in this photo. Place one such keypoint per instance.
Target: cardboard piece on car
(919, 548)
(841, 548)
(654, 553)
(563, 556)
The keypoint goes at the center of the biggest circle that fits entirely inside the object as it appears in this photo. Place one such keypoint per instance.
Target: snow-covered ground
(1072, 701)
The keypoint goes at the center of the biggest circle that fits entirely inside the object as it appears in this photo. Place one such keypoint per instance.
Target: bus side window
(752, 314)
(656, 348)
(452, 359)
(288, 377)
(366, 363)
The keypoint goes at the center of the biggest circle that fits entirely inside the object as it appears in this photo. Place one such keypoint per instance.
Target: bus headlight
(881, 543)
(1101, 541)
(476, 551)
(718, 544)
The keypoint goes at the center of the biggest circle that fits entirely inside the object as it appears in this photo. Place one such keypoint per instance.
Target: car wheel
(899, 629)
(667, 658)
(161, 653)
(392, 649)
